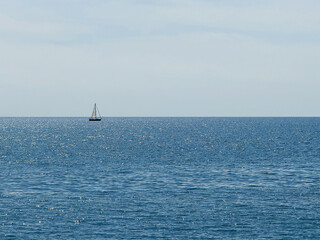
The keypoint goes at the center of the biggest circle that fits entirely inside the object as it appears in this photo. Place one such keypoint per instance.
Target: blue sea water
(160, 178)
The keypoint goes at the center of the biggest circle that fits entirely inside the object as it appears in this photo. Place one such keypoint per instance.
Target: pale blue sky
(160, 57)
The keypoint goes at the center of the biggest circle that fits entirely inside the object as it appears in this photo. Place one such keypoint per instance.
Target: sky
(160, 58)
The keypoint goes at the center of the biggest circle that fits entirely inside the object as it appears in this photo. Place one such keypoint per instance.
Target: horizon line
(163, 117)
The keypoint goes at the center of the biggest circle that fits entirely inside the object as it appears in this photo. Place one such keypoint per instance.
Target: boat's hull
(94, 119)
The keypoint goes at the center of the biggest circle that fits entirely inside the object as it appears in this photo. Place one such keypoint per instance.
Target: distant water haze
(160, 58)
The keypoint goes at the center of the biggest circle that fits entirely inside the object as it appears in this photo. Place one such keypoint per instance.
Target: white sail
(94, 113)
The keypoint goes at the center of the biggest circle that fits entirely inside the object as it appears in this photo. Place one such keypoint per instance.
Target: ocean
(160, 178)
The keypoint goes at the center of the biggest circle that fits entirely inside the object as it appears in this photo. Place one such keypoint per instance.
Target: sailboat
(94, 114)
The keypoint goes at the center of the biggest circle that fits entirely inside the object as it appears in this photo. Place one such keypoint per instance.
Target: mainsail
(94, 114)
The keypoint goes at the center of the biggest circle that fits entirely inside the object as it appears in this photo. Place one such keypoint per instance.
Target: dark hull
(94, 119)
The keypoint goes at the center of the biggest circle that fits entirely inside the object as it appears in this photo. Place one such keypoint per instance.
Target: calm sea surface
(160, 178)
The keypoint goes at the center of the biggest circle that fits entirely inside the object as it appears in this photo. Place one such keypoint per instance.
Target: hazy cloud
(160, 58)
